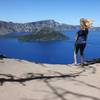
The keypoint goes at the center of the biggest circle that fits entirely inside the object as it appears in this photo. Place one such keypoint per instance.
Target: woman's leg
(75, 53)
(82, 47)
(75, 58)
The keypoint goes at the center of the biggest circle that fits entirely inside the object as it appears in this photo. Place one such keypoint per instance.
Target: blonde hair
(86, 23)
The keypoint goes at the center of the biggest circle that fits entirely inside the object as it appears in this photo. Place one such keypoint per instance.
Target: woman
(81, 38)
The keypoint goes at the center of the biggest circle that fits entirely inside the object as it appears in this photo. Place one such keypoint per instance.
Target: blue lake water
(55, 52)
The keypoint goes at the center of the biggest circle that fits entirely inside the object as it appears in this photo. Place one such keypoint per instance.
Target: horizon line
(21, 22)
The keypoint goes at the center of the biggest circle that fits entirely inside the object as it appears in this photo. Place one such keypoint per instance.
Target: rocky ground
(23, 80)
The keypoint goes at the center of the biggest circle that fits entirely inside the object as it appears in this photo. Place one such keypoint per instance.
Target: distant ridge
(9, 27)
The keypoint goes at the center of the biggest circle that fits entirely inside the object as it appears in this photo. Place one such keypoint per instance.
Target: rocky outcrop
(23, 80)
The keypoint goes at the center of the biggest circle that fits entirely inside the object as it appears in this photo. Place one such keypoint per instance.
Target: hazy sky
(64, 11)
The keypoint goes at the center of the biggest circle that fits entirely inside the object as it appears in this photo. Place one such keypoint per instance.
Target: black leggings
(80, 47)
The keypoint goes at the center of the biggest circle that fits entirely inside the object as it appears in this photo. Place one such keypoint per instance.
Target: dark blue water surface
(55, 52)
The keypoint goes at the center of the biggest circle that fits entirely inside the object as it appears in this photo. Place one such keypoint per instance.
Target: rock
(2, 56)
(93, 61)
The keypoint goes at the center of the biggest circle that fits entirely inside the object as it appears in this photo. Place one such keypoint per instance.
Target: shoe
(82, 64)
(76, 64)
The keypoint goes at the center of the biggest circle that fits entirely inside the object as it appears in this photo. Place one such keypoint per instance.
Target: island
(44, 34)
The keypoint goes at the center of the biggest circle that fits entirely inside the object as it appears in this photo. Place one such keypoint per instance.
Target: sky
(63, 11)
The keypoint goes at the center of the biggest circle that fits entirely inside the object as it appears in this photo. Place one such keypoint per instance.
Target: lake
(52, 52)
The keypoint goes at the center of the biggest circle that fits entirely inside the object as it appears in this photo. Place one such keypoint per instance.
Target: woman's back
(82, 36)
